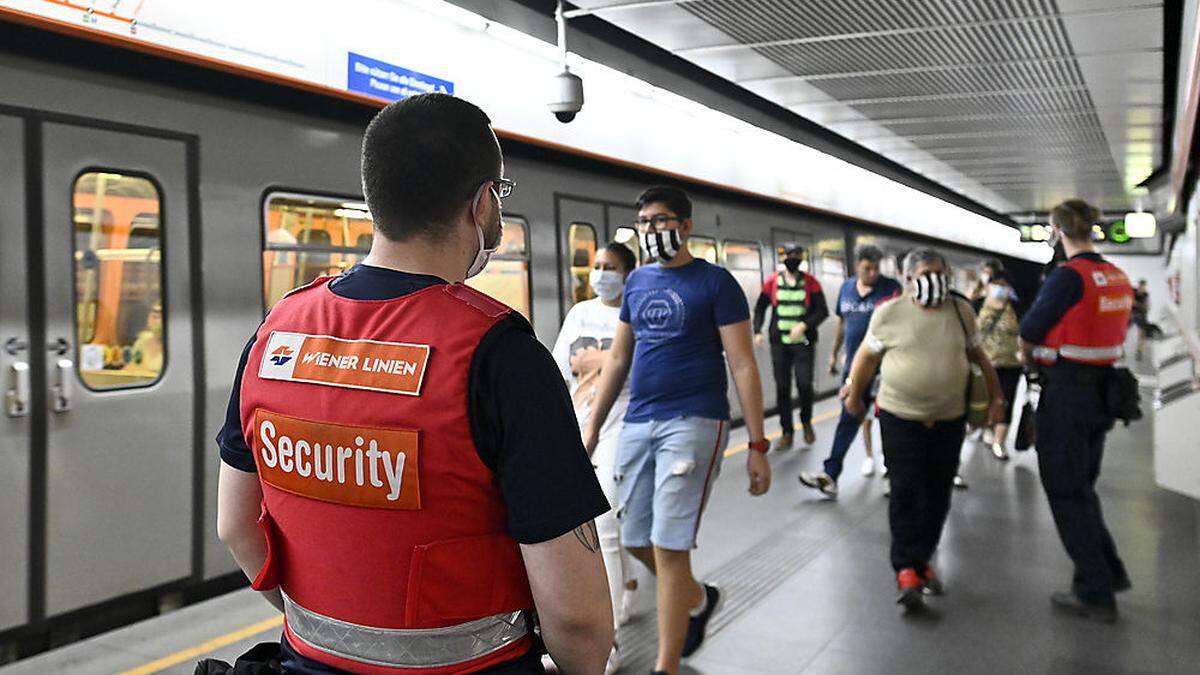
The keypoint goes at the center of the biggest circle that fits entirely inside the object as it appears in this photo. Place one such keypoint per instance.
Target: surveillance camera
(566, 96)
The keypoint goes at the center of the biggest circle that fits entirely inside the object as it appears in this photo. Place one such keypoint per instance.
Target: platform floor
(809, 589)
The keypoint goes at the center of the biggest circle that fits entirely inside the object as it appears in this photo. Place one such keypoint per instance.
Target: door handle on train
(16, 399)
(62, 392)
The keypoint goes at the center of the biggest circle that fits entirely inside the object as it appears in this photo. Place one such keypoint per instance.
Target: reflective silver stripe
(405, 648)
(1091, 353)
(1045, 353)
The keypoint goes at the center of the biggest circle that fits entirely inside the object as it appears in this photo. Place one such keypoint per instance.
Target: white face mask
(608, 284)
(484, 253)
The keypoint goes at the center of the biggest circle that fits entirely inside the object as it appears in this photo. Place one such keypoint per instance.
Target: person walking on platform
(998, 327)
(581, 350)
(925, 341)
(677, 317)
(798, 309)
(402, 470)
(856, 302)
(1075, 332)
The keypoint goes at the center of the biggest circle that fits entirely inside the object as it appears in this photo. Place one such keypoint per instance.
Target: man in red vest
(1075, 331)
(402, 471)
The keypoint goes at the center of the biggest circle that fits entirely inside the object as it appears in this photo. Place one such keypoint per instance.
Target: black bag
(1026, 428)
(262, 659)
(1122, 399)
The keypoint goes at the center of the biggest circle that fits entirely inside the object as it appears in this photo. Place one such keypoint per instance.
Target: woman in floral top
(998, 326)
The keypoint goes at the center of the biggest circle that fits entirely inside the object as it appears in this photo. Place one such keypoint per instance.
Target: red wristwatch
(761, 445)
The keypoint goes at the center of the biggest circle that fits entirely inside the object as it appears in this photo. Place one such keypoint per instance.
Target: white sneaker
(614, 661)
(820, 481)
(959, 482)
(887, 486)
(625, 611)
(868, 466)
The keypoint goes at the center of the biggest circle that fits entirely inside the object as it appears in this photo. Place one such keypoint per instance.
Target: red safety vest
(1093, 330)
(386, 532)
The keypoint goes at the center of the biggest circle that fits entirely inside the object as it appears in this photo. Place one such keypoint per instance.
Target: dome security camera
(566, 96)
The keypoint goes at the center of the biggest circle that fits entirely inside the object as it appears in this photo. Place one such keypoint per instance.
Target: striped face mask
(931, 289)
(662, 246)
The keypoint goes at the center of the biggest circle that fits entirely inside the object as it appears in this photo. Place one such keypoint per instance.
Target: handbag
(977, 397)
(1121, 397)
(1026, 428)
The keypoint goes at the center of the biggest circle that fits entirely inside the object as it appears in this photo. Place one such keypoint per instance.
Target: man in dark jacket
(798, 310)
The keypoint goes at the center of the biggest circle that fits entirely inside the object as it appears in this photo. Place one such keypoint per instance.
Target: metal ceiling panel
(1016, 103)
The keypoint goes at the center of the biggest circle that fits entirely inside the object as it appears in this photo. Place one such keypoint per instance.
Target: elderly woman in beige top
(925, 341)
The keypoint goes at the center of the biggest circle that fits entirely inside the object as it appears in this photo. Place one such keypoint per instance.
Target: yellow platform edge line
(823, 417)
(206, 647)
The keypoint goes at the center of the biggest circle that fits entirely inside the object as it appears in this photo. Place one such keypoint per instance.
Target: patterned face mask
(931, 289)
(662, 246)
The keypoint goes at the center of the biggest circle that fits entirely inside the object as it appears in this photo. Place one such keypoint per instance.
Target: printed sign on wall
(385, 80)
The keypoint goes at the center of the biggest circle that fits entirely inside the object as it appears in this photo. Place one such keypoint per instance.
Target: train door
(582, 223)
(119, 366)
(15, 422)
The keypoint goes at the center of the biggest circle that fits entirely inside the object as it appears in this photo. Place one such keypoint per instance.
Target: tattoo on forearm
(586, 534)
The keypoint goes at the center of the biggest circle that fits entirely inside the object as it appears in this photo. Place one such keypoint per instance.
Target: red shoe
(910, 584)
(933, 585)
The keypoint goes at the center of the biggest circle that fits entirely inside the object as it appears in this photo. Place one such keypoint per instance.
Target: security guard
(421, 483)
(1075, 332)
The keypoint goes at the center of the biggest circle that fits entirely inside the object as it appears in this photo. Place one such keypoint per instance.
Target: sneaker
(868, 466)
(1073, 604)
(999, 452)
(625, 611)
(987, 437)
(910, 585)
(785, 442)
(887, 486)
(614, 661)
(959, 482)
(933, 585)
(697, 625)
(820, 481)
(810, 434)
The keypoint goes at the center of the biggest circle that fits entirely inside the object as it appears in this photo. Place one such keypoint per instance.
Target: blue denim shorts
(665, 470)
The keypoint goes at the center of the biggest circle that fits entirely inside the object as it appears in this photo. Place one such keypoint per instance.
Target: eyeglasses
(658, 222)
(504, 186)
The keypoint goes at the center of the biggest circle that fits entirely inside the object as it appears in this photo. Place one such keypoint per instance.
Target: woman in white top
(580, 351)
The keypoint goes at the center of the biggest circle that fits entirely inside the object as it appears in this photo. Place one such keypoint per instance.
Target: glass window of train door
(306, 236)
(743, 259)
(507, 277)
(704, 248)
(581, 253)
(118, 273)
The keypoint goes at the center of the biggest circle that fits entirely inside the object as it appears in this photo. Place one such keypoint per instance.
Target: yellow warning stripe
(205, 647)
(823, 417)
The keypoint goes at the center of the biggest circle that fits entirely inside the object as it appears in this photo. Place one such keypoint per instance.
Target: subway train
(150, 215)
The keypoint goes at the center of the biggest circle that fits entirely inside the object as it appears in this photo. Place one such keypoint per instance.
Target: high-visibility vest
(1093, 330)
(385, 530)
(790, 302)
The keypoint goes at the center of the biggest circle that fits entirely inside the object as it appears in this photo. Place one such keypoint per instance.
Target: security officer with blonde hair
(1075, 332)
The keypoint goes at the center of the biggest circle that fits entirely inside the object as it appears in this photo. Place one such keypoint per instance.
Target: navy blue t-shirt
(678, 360)
(856, 310)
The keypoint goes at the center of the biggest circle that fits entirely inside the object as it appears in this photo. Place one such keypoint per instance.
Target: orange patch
(338, 463)
(391, 367)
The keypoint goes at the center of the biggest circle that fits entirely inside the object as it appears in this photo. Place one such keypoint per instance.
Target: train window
(307, 236)
(119, 325)
(627, 237)
(506, 277)
(743, 259)
(704, 248)
(581, 253)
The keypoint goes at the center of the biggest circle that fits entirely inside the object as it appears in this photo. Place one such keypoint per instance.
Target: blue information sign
(378, 78)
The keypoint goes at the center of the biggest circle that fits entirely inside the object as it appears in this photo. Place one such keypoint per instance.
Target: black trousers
(1071, 426)
(921, 462)
(789, 360)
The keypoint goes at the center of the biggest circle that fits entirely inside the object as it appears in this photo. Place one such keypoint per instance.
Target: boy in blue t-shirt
(680, 319)
(856, 302)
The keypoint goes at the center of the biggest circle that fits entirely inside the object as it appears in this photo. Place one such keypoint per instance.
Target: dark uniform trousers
(921, 462)
(788, 361)
(1071, 425)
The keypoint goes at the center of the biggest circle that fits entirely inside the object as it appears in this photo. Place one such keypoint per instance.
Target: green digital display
(1117, 233)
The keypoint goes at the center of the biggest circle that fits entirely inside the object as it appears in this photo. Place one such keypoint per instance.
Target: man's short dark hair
(1075, 218)
(422, 158)
(674, 199)
(870, 253)
(626, 256)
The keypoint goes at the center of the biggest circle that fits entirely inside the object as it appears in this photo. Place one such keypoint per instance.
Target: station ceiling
(1016, 104)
